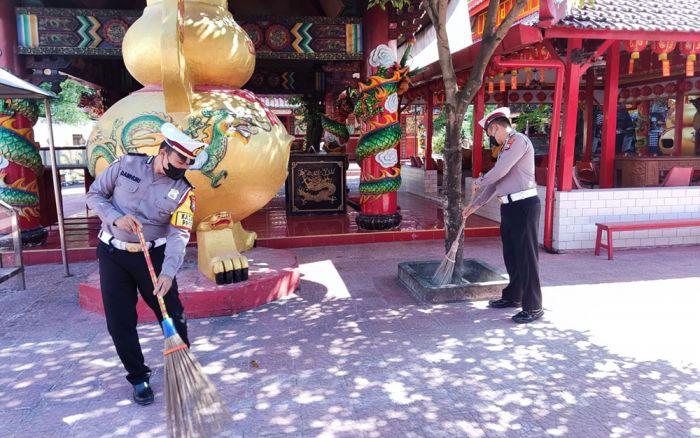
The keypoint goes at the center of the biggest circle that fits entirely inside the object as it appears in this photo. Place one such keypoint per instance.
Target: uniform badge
(509, 143)
(173, 193)
(183, 217)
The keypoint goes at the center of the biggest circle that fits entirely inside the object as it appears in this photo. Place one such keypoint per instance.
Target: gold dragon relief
(316, 185)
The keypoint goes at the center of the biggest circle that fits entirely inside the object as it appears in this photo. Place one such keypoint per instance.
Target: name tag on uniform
(173, 194)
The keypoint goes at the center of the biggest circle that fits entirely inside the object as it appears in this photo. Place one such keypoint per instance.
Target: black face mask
(174, 172)
(492, 140)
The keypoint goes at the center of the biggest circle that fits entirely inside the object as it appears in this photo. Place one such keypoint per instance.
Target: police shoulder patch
(183, 217)
(509, 143)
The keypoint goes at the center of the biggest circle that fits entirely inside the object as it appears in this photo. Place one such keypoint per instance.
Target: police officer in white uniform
(151, 193)
(514, 178)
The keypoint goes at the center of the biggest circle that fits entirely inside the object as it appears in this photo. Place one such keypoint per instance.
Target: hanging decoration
(502, 82)
(540, 52)
(690, 50)
(634, 47)
(514, 79)
(491, 73)
(663, 48)
(527, 55)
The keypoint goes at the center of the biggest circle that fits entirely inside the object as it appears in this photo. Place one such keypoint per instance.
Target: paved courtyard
(354, 355)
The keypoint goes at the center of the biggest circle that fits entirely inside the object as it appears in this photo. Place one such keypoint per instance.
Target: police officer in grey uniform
(514, 178)
(149, 193)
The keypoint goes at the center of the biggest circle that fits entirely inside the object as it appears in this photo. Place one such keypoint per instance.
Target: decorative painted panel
(99, 32)
(305, 37)
(44, 31)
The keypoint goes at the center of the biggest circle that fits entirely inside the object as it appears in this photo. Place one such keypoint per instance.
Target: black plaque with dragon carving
(316, 184)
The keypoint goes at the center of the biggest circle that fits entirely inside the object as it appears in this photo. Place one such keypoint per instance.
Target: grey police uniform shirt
(515, 169)
(131, 186)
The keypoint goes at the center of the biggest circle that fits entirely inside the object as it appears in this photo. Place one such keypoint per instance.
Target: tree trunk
(452, 183)
(456, 102)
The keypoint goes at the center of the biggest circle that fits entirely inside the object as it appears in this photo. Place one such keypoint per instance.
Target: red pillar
(572, 81)
(375, 31)
(607, 154)
(588, 117)
(429, 105)
(329, 103)
(678, 134)
(8, 38)
(478, 145)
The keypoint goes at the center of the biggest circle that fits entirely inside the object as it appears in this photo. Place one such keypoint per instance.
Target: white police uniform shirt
(514, 170)
(165, 207)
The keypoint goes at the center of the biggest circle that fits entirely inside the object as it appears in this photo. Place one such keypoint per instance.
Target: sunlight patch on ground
(325, 273)
(644, 320)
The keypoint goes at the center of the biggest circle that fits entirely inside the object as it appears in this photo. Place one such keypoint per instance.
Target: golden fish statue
(192, 58)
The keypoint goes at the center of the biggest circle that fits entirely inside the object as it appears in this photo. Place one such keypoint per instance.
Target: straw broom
(193, 405)
(443, 274)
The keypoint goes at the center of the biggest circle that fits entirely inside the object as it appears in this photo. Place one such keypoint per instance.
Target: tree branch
(491, 39)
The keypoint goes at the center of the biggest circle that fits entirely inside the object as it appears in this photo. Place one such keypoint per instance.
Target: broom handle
(469, 209)
(461, 228)
(154, 278)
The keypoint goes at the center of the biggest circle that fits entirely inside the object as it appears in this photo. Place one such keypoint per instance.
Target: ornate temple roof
(646, 15)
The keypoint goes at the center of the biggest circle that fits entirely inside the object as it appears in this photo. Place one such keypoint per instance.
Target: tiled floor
(352, 354)
(422, 220)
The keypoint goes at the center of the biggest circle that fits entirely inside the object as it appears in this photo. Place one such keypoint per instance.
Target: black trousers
(519, 223)
(122, 273)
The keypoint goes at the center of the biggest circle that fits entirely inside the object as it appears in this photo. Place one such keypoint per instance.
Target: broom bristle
(443, 274)
(194, 406)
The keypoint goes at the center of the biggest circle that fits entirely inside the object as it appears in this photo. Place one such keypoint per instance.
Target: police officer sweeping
(151, 193)
(516, 189)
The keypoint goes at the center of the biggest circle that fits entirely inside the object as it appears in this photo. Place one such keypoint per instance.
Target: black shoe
(502, 304)
(143, 394)
(525, 316)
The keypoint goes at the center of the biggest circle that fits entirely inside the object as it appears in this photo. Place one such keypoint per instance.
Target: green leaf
(65, 108)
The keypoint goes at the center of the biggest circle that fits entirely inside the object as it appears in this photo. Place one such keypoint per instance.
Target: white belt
(517, 196)
(128, 246)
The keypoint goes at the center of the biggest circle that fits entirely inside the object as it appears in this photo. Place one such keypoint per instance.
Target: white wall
(418, 181)
(576, 213)
(63, 134)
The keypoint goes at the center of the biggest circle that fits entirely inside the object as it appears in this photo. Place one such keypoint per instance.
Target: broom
(193, 405)
(443, 274)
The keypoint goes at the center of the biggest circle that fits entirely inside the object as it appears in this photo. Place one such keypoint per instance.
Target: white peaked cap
(180, 141)
(503, 111)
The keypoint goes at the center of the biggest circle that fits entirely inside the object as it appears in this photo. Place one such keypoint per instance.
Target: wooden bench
(629, 226)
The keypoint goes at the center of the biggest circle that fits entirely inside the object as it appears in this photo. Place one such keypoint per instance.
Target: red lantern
(439, 99)
(634, 47)
(658, 89)
(491, 72)
(697, 84)
(663, 48)
(541, 96)
(686, 86)
(635, 92)
(527, 97)
(528, 55)
(625, 94)
(671, 88)
(487, 97)
(541, 52)
(513, 97)
(690, 50)
(646, 90)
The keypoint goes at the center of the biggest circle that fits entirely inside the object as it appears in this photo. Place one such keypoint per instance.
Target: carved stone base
(378, 222)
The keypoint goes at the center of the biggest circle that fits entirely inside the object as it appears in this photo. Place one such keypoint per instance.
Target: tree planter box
(481, 281)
